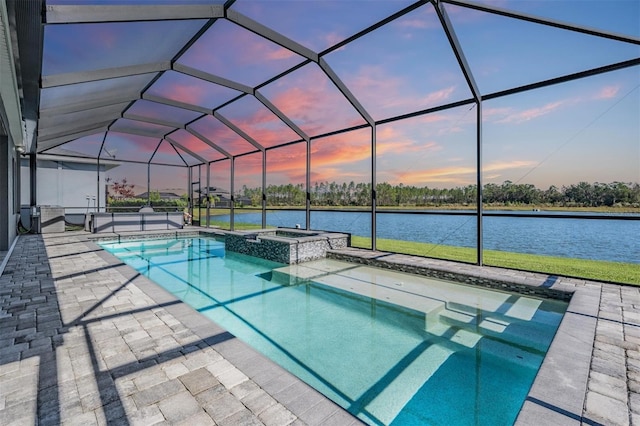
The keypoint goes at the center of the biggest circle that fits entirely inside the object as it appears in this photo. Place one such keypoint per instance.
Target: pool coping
(559, 391)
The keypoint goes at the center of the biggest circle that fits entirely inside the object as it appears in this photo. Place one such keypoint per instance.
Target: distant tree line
(326, 193)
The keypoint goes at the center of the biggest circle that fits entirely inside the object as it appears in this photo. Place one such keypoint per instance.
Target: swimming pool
(389, 347)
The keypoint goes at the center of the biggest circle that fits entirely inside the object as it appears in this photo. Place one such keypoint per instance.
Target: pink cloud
(333, 38)
(439, 96)
(279, 54)
(488, 113)
(311, 100)
(389, 138)
(531, 113)
(105, 35)
(423, 18)
(608, 92)
(392, 94)
(413, 23)
(189, 94)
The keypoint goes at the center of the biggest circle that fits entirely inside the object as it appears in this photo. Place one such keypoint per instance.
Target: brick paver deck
(86, 340)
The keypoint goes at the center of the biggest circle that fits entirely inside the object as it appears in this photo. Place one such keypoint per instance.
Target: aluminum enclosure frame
(64, 123)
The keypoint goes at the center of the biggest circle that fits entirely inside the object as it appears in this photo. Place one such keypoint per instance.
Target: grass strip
(599, 270)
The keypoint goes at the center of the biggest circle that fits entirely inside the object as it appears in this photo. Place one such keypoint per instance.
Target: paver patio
(85, 339)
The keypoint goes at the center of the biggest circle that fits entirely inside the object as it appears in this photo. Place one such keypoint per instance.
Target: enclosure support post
(307, 202)
(373, 187)
(148, 184)
(33, 183)
(104, 138)
(208, 203)
(189, 193)
(232, 195)
(443, 16)
(479, 182)
(98, 184)
(264, 189)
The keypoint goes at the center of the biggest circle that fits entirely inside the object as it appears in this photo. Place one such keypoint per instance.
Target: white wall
(66, 184)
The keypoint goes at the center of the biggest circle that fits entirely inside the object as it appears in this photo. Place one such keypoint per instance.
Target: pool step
(455, 337)
(302, 273)
(502, 316)
(429, 307)
(531, 337)
(361, 280)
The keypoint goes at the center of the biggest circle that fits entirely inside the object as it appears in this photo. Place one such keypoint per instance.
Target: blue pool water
(391, 348)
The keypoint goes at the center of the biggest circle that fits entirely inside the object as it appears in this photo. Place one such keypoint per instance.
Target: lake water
(612, 240)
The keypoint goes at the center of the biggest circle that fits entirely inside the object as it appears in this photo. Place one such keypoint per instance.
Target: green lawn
(616, 272)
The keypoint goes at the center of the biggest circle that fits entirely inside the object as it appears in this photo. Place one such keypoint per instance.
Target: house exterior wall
(9, 185)
(67, 184)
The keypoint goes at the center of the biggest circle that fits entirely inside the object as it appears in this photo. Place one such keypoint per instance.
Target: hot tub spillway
(286, 245)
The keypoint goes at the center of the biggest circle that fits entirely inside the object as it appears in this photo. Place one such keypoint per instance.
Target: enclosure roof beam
(120, 100)
(206, 140)
(457, 50)
(54, 132)
(267, 103)
(63, 14)
(239, 131)
(564, 79)
(148, 134)
(61, 140)
(149, 120)
(345, 91)
(62, 133)
(66, 79)
(269, 34)
(177, 104)
(107, 111)
(211, 78)
(182, 147)
(544, 21)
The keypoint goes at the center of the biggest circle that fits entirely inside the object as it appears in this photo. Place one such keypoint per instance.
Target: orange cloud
(458, 175)
(405, 146)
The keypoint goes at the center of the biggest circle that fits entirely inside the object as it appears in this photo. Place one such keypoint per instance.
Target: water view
(612, 240)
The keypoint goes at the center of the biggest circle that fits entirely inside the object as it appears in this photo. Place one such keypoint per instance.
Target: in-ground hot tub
(285, 245)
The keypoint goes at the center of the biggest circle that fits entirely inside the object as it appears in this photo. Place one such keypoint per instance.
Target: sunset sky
(584, 130)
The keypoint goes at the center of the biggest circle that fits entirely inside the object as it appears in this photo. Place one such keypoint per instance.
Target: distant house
(163, 195)
(222, 198)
